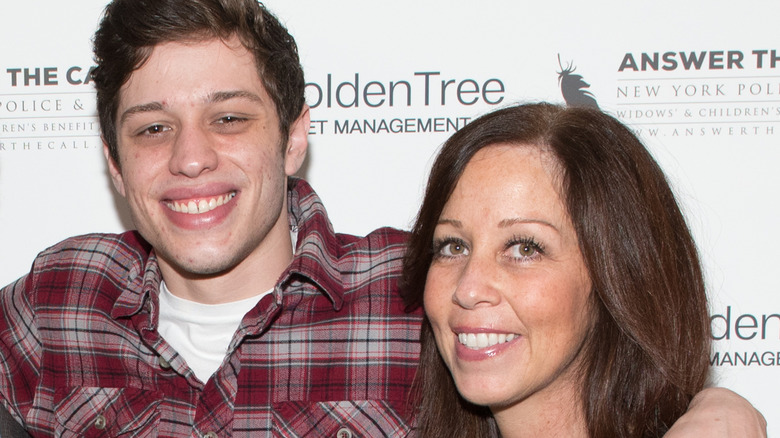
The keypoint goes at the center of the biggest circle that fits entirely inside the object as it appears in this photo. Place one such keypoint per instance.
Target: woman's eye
(454, 248)
(451, 249)
(525, 250)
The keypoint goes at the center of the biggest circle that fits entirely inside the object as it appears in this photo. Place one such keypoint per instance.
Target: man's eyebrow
(219, 96)
(143, 108)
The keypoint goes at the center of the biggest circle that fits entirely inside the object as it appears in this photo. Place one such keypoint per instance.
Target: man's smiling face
(202, 162)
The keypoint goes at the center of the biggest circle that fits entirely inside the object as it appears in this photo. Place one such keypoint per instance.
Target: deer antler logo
(574, 88)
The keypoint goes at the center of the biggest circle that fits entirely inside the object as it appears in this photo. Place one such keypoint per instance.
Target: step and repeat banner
(389, 82)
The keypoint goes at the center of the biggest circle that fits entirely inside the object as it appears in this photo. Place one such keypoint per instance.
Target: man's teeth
(483, 340)
(202, 206)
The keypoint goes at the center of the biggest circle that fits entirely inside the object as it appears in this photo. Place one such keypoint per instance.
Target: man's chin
(203, 267)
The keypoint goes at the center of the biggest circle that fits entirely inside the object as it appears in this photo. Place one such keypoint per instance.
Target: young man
(234, 310)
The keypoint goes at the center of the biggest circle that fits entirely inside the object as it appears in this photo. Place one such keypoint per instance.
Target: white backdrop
(699, 80)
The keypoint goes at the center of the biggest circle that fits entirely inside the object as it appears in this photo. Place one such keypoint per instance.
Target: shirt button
(210, 435)
(100, 422)
(163, 363)
(344, 433)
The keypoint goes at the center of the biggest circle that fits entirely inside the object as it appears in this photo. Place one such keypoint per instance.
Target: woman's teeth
(483, 340)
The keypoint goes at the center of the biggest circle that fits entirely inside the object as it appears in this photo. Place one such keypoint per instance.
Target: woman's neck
(551, 412)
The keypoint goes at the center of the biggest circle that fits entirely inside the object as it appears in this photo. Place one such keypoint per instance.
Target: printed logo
(735, 328)
(699, 93)
(420, 102)
(46, 109)
(574, 88)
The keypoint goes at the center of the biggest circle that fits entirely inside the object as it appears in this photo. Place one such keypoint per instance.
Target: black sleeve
(9, 428)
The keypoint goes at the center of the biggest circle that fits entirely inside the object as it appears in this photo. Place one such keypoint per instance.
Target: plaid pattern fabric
(330, 353)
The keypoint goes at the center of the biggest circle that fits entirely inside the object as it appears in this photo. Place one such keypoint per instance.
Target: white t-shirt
(201, 333)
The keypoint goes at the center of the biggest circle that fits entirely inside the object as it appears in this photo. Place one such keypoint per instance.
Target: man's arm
(719, 413)
(20, 350)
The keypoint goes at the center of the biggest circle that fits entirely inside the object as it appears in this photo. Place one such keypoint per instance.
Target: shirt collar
(319, 250)
(142, 276)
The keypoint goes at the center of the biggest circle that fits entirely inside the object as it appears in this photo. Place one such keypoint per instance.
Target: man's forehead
(204, 70)
(181, 52)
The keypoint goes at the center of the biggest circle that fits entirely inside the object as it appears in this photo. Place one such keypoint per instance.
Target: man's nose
(193, 152)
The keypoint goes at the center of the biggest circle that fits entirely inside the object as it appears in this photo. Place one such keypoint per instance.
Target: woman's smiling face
(507, 293)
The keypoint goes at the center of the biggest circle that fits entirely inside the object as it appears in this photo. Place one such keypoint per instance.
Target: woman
(560, 282)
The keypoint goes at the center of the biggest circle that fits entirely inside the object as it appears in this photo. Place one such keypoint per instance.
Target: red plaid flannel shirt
(330, 353)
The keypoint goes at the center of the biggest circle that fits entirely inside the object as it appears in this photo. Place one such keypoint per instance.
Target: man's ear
(297, 142)
(113, 169)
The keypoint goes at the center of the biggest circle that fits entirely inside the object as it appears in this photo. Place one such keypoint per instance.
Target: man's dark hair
(130, 29)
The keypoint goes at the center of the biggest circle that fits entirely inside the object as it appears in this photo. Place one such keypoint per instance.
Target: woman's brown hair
(648, 352)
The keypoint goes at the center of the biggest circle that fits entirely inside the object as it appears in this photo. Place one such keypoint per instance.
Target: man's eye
(155, 129)
(230, 119)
